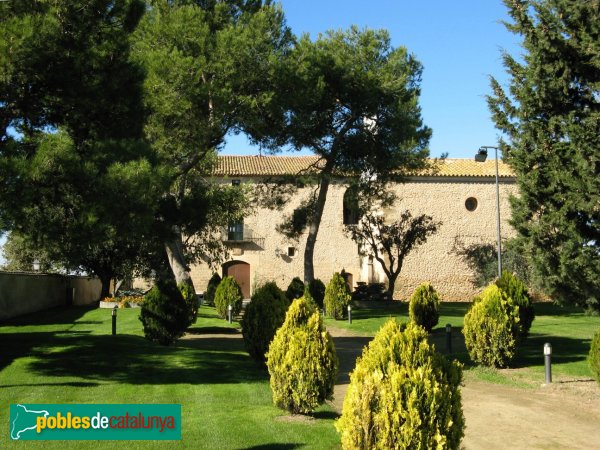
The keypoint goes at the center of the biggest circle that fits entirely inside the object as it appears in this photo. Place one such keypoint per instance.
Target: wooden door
(240, 271)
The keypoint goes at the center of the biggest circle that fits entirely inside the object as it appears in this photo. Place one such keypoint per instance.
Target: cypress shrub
(264, 315)
(164, 314)
(517, 290)
(402, 394)
(594, 356)
(337, 297)
(424, 307)
(191, 301)
(491, 328)
(228, 293)
(301, 360)
(295, 289)
(317, 291)
(209, 294)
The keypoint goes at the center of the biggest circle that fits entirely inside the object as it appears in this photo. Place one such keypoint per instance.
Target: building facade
(461, 194)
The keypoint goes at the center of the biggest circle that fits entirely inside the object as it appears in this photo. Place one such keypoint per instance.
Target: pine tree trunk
(176, 258)
(313, 230)
(105, 290)
(391, 287)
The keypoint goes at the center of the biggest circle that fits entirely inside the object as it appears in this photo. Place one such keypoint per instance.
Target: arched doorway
(240, 271)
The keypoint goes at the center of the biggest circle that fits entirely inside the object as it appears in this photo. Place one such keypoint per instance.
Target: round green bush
(164, 313)
(228, 293)
(517, 290)
(191, 301)
(264, 315)
(317, 291)
(209, 294)
(491, 328)
(402, 394)
(301, 360)
(295, 289)
(337, 297)
(424, 307)
(594, 356)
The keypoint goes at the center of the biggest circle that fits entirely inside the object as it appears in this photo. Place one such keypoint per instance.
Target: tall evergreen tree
(76, 178)
(209, 68)
(550, 116)
(352, 99)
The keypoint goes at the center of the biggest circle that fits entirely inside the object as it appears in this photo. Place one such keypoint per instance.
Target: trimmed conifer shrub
(295, 289)
(301, 360)
(191, 301)
(337, 297)
(264, 315)
(594, 356)
(491, 328)
(209, 294)
(517, 290)
(164, 313)
(424, 307)
(402, 394)
(317, 291)
(228, 293)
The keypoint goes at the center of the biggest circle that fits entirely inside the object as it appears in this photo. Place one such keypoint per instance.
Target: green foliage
(402, 394)
(594, 356)
(424, 307)
(391, 243)
(329, 83)
(164, 313)
(491, 328)
(191, 301)
(301, 360)
(263, 316)
(209, 294)
(517, 291)
(550, 117)
(337, 297)
(316, 288)
(228, 293)
(295, 289)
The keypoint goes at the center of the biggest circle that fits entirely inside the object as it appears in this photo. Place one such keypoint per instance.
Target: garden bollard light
(229, 313)
(114, 320)
(548, 362)
(448, 338)
(350, 314)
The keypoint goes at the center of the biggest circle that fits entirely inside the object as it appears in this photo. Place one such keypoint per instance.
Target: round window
(471, 204)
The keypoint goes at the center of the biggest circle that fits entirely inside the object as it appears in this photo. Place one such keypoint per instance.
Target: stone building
(461, 194)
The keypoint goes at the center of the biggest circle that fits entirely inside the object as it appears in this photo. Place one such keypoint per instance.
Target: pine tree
(550, 115)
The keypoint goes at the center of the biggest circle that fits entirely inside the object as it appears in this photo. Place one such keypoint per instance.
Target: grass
(568, 329)
(69, 356)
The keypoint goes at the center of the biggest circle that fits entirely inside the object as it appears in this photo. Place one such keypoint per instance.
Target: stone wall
(436, 261)
(24, 293)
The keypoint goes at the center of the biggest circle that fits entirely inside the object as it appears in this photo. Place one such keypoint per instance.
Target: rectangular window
(235, 231)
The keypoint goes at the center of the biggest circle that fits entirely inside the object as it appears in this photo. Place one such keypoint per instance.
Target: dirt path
(564, 415)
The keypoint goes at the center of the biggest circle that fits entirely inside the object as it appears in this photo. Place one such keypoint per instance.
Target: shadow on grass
(274, 447)
(135, 360)
(55, 316)
(325, 415)
(564, 350)
(69, 383)
(212, 330)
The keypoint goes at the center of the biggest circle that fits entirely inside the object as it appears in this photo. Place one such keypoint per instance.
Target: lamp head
(481, 155)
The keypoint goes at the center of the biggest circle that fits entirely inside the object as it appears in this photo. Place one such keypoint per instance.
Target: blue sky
(459, 44)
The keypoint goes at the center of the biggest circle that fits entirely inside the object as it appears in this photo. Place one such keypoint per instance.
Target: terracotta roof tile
(240, 166)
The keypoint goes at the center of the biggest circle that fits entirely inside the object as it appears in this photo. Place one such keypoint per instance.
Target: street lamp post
(481, 156)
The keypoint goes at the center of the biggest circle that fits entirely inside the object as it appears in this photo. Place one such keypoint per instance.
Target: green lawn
(569, 331)
(69, 356)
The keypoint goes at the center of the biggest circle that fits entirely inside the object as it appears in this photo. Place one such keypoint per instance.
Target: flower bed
(131, 301)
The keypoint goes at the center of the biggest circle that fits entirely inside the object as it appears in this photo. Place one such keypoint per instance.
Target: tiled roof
(240, 166)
